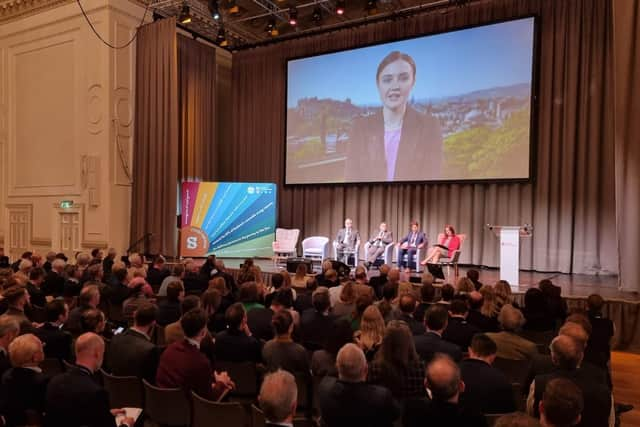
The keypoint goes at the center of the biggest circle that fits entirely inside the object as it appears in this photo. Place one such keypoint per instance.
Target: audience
(377, 282)
(304, 301)
(482, 315)
(517, 419)
(599, 347)
(176, 276)
(54, 281)
(34, 287)
(387, 305)
(9, 330)
(474, 276)
(536, 312)
(237, 344)
(371, 332)
(510, 344)
(169, 308)
(278, 398)
(556, 305)
(323, 361)
(136, 298)
(157, 272)
(427, 296)
(561, 404)
(346, 301)
(57, 341)
(89, 298)
(459, 331)
(249, 296)
(17, 299)
(406, 309)
(349, 400)
(447, 293)
(210, 302)
(281, 352)
(431, 342)
(220, 271)
(173, 331)
(316, 323)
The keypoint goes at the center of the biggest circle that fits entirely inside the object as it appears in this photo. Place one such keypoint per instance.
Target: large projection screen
(228, 219)
(453, 106)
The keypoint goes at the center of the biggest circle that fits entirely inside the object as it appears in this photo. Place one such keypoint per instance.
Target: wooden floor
(626, 375)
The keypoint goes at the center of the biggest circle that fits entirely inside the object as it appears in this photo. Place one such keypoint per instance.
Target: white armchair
(387, 255)
(347, 253)
(285, 243)
(419, 256)
(316, 248)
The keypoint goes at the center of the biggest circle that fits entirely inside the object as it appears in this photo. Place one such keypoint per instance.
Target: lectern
(509, 236)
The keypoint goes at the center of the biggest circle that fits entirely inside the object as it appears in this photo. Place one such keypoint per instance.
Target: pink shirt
(391, 144)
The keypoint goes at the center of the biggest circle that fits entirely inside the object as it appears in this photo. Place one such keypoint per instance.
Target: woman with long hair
(503, 294)
(369, 337)
(347, 301)
(299, 280)
(396, 365)
(448, 244)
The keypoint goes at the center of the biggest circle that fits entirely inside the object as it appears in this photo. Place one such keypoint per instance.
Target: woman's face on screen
(395, 84)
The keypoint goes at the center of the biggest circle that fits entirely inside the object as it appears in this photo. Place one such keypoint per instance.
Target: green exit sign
(66, 204)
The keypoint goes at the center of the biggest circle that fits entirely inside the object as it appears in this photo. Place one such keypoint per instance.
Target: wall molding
(41, 241)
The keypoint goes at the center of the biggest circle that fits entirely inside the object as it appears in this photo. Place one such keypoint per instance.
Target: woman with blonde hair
(369, 337)
(465, 285)
(299, 280)
(503, 294)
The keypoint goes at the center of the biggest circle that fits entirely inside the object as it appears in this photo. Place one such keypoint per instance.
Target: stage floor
(573, 285)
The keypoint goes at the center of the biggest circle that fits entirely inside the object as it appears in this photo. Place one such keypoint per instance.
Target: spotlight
(232, 7)
(293, 16)
(316, 16)
(271, 28)
(214, 9)
(221, 39)
(340, 6)
(185, 14)
(372, 7)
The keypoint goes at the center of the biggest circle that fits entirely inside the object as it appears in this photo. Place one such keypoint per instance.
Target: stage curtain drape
(155, 153)
(627, 138)
(197, 98)
(570, 203)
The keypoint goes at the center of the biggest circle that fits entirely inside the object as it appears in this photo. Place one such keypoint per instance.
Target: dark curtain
(627, 137)
(571, 201)
(155, 153)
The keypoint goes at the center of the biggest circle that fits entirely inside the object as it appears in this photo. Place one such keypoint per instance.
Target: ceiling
(250, 24)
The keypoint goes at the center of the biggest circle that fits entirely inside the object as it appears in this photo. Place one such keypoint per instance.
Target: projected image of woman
(396, 142)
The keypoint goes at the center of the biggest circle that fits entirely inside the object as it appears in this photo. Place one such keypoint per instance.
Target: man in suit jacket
(510, 344)
(57, 341)
(183, 365)
(9, 330)
(316, 324)
(378, 242)
(34, 287)
(53, 284)
(406, 308)
(349, 400)
(459, 331)
(157, 272)
(346, 241)
(487, 389)
(408, 246)
(237, 344)
(75, 398)
(17, 299)
(23, 388)
(278, 398)
(378, 282)
(132, 353)
(89, 298)
(430, 343)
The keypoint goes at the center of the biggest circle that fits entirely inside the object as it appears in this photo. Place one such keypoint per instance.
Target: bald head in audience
(443, 380)
(566, 352)
(352, 364)
(90, 351)
(279, 397)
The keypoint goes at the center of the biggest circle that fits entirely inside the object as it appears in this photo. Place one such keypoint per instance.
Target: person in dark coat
(58, 342)
(316, 323)
(9, 330)
(431, 342)
(459, 331)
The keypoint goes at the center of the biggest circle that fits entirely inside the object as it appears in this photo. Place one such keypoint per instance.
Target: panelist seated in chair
(347, 240)
(448, 244)
(378, 242)
(410, 244)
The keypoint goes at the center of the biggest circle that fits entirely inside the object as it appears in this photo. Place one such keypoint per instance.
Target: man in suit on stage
(346, 241)
(409, 245)
(379, 242)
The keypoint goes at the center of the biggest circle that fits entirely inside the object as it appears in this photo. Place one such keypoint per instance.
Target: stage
(622, 307)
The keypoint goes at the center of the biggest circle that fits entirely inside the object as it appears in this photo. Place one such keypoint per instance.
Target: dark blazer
(58, 342)
(420, 154)
(118, 293)
(417, 328)
(168, 312)
(430, 343)
(303, 302)
(74, 322)
(22, 390)
(482, 322)
(315, 328)
(194, 283)
(183, 366)
(155, 276)
(53, 284)
(425, 412)
(132, 354)
(5, 363)
(259, 320)
(487, 389)
(289, 356)
(36, 295)
(356, 404)
(420, 238)
(236, 346)
(377, 283)
(542, 364)
(598, 349)
(460, 332)
(75, 399)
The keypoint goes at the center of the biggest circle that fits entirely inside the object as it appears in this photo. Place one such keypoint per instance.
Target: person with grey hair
(510, 344)
(9, 330)
(349, 400)
(444, 385)
(279, 398)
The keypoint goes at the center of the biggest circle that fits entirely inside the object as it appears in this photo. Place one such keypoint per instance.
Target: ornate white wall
(66, 124)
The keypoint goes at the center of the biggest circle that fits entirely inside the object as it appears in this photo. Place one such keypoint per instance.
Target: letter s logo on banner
(193, 242)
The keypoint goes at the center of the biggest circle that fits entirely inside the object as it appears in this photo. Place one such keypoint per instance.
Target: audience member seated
(173, 331)
(157, 272)
(443, 409)
(447, 292)
(136, 298)
(227, 298)
(194, 284)
(504, 295)
(237, 344)
(487, 389)
(482, 314)
(17, 299)
(210, 301)
(464, 285)
(119, 290)
(459, 331)
(320, 277)
(599, 347)
(221, 271)
(372, 328)
(177, 274)
(510, 344)
(561, 405)
(54, 281)
(94, 321)
(323, 361)
(277, 283)
(57, 341)
(316, 323)
(36, 295)
(567, 354)
(9, 330)
(406, 308)
(278, 398)
(431, 342)
(396, 365)
(474, 276)
(72, 285)
(132, 353)
(304, 301)
(330, 279)
(349, 401)
(183, 365)
(75, 398)
(281, 352)
(23, 388)
(249, 296)
(377, 282)
(536, 313)
(346, 302)
(556, 305)
(169, 308)
(427, 297)
(25, 256)
(387, 305)
(107, 264)
(517, 419)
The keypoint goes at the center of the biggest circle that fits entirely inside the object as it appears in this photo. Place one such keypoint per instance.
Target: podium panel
(510, 255)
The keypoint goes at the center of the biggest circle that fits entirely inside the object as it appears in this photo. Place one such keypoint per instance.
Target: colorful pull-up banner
(228, 219)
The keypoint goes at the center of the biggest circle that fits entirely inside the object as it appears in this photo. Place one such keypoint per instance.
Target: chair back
(257, 417)
(315, 242)
(207, 413)
(514, 370)
(166, 406)
(244, 375)
(124, 392)
(287, 239)
(51, 366)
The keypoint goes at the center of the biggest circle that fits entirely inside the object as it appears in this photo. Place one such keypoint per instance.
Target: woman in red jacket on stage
(448, 244)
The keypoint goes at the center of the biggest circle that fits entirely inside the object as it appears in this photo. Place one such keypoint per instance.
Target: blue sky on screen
(447, 64)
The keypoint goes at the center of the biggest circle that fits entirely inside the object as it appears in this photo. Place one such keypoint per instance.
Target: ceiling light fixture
(340, 6)
(372, 7)
(316, 16)
(214, 9)
(293, 16)
(185, 14)
(221, 39)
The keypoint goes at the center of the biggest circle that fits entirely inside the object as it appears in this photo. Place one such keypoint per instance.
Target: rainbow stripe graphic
(237, 218)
